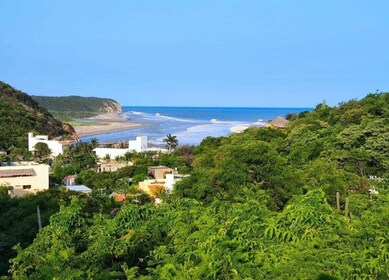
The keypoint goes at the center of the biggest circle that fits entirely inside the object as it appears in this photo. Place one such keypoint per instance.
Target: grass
(71, 116)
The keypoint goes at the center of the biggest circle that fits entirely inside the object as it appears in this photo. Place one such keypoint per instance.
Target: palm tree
(94, 143)
(171, 142)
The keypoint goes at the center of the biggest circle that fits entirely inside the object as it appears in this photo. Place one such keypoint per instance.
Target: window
(26, 187)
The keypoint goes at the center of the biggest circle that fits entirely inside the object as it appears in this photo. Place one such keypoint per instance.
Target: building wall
(38, 182)
(149, 186)
(55, 147)
(159, 172)
(139, 145)
(170, 182)
(111, 167)
(167, 184)
(112, 152)
(145, 184)
(69, 180)
(156, 149)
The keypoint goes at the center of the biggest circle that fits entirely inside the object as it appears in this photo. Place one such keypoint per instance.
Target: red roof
(120, 197)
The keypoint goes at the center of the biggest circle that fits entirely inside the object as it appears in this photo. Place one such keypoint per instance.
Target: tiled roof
(9, 173)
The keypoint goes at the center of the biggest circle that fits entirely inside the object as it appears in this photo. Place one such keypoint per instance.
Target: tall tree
(171, 142)
(42, 151)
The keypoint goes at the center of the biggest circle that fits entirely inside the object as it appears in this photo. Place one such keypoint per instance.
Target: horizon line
(218, 107)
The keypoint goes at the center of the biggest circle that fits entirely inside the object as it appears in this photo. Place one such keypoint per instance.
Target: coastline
(105, 123)
(190, 126)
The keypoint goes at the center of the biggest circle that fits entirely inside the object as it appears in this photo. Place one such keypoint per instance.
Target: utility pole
(38, 211)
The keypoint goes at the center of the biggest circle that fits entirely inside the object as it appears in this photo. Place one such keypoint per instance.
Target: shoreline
(105, 123)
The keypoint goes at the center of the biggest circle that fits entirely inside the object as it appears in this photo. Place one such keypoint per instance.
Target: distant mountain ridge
(20, 114)
(78, 104)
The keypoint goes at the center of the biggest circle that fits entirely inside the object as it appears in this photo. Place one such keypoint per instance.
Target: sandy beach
(104, 123)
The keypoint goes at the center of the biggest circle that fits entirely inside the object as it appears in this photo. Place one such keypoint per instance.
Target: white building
(24, 177)
(138, 145)
(56, 147)
(170, 181)
(111, 152)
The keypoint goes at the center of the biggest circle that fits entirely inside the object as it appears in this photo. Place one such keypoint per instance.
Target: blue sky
(197, 53)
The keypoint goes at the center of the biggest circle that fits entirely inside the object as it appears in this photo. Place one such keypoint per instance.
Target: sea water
(191, 124)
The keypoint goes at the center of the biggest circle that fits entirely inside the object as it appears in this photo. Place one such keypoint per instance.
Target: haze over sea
(191, 124)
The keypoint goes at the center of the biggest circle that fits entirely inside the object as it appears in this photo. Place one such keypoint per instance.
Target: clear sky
(197, 53)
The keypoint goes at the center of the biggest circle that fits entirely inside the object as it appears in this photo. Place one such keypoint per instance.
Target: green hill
(69, 107)
(333, 148)
(257, 205)
(20, 114)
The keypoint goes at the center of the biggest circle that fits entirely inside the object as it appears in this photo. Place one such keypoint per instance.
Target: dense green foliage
(20, 114)
(18, 222)
(184, 239)
(258, 205)
(18, 219)
(80, 160)
(329, 148)
(42, 152)
(70, 107)
(72, 161)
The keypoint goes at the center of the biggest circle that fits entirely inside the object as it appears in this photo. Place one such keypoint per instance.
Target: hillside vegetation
(258, 205)
(69, 107)
(334, 149)
(20, 114)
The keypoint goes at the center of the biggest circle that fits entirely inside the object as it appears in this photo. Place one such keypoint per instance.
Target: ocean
(191, 124)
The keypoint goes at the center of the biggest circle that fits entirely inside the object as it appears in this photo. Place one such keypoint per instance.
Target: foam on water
(216, 121)
(191, 125)
(195, 134)
(136, 113)
(158, 115)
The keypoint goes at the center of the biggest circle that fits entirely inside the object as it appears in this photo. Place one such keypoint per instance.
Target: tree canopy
(261, 204)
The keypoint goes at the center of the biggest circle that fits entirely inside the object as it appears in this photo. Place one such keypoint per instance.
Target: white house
(56, 147)
(24, 177)
(138, 145)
